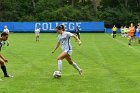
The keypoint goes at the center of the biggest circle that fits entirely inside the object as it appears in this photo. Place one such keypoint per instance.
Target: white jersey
(37, 31)
(138, 29)
(6, 30)
(64, 40)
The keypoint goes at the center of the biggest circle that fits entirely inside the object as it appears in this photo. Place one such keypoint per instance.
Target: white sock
(76, 66)
(60, 65)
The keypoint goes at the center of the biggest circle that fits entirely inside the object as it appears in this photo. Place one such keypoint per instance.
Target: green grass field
(109, 65)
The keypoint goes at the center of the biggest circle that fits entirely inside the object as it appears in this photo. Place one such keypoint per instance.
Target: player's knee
(1, 63)
(59, 58)
(70, 62)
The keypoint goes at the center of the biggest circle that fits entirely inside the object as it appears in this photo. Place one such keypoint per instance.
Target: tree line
(119, 12)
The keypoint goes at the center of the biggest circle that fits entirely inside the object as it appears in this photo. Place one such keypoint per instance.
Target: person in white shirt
(37, 33)
(6, 30)
(64, 41)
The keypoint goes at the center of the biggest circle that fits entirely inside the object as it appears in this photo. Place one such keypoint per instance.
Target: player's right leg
(129, 40)
(59, 59)
(134, 38)
(38, 38)
(3, 68)
(113, 34)
(79, 36)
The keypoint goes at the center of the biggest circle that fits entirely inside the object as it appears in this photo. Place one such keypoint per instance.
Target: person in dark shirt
(77, 32)
(3, 60)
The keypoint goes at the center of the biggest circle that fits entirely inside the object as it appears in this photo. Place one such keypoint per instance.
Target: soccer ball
(57, 74)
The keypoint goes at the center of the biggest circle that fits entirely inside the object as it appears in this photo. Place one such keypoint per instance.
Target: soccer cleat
(8, 76)
(129, 44)
(59, 74)
(80, 71)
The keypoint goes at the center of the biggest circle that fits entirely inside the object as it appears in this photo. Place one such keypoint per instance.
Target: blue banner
(50, 26)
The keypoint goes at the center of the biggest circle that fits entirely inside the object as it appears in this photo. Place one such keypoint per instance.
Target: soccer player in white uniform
(37, 32)
(6, 30)
(64, 41)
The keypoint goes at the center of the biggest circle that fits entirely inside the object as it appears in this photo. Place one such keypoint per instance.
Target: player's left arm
(79, 42)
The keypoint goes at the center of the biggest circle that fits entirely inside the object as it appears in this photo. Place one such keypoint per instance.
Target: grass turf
(109, 65)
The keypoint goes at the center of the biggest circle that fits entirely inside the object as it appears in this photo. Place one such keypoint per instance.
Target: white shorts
(68, 51)
(36, 34)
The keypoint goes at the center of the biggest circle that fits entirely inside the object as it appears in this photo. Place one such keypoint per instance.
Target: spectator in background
(77, 32)
(6, 30)
(122, 31)
(134, 37)
(131, 33)
(125, 31)
(37, 33)
(114, 30)
(138, 30)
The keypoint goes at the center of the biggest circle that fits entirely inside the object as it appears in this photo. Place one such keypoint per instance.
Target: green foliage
(46, 10)
(119, 12)
(60, 12)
